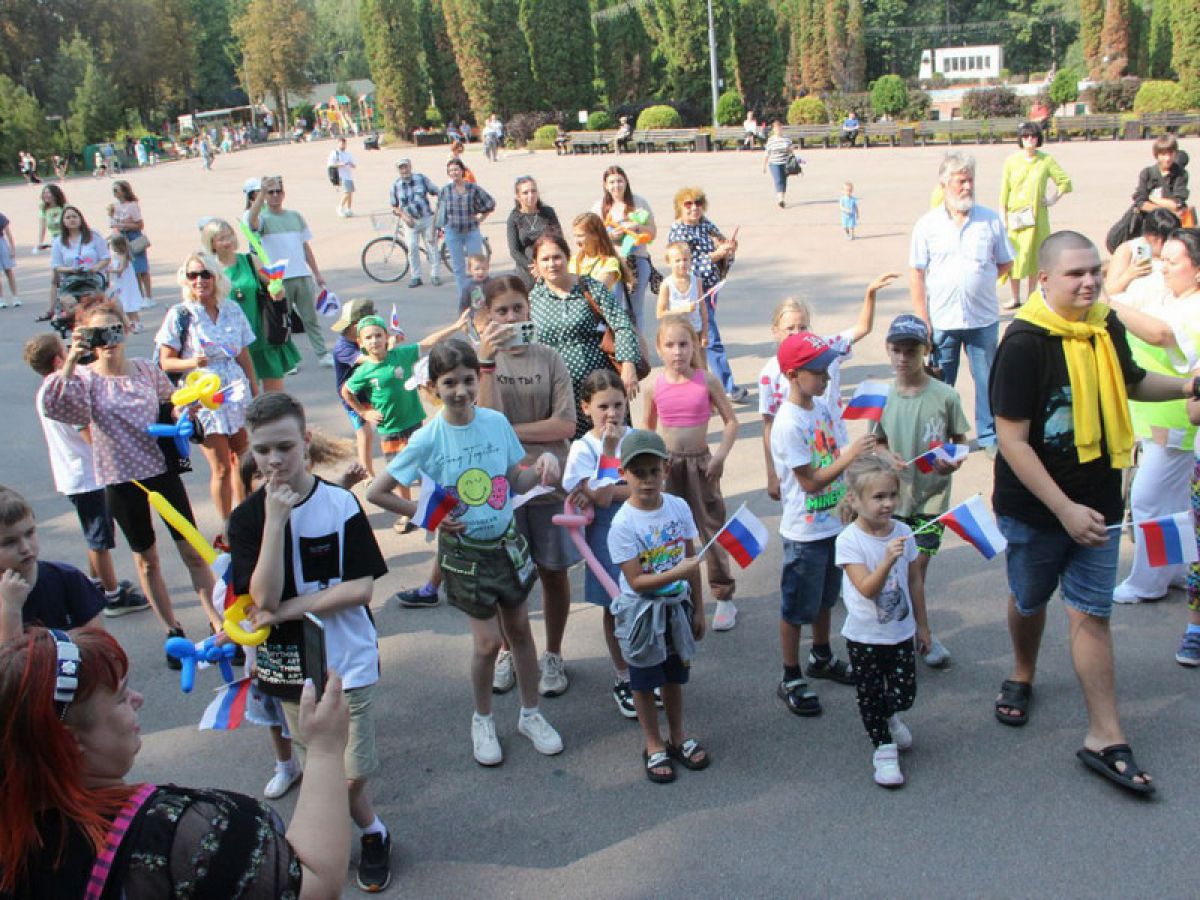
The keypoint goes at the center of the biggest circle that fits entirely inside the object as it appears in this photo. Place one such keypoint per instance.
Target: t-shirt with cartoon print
(656, 538)
(807, 437)
(583, 461)
(471, 463)
(773, 386)
(887, 619)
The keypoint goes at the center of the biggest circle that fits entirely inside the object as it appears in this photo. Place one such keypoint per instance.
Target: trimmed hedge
(1159, 96)
(661, 116)
(543, 138)
(730, 109)
(807, 111)
(600, 120)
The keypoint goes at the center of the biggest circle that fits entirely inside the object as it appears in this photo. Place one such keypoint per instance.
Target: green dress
(1024, 184)
(269, 361)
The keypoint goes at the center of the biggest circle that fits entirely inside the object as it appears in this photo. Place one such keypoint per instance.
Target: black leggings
(886, 679)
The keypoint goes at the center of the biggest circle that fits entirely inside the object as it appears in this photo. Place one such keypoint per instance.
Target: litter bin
(908, 137)
(703, 142)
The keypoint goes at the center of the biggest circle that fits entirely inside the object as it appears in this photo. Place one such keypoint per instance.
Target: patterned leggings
(1193, 577)
(886, 679)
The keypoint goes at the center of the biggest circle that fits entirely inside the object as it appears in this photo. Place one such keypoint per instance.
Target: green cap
(640, 443)
(367, 321)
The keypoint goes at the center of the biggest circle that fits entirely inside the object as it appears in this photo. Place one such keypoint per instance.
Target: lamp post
(712, 61)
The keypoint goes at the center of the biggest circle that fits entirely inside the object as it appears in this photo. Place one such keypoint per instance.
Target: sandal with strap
(799, 698)
(1016, 696)
(659, 760)
(685, 754)
(1105, 763)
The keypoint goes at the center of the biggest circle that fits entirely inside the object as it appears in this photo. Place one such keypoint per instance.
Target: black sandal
(659, 760)
(799, 698)
(685, 754)
(1105, 763)
(1014, 695)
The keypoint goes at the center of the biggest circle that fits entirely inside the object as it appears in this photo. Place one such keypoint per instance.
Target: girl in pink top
(118, 397)
(684, 398)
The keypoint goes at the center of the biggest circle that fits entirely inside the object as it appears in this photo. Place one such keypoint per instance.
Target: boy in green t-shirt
(921, 413)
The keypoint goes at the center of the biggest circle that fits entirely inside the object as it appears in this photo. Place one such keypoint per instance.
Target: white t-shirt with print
(70, 453)
(773, 386)
(655, 538)
(583, 459)
(807, 437)
(888, 619)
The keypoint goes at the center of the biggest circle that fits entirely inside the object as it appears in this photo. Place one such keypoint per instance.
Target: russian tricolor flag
(228, 710)
(868, 401)
(435, 504)
(394, 323)
(327, 302)
(608, 471)
(974, 523)
(947, 453)
(274, 271)
(1170, 540)
(744, 537)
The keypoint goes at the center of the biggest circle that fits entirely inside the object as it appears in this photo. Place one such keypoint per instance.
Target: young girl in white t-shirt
(885, 608)
(681, 293)
(791, 317)
(124, 285)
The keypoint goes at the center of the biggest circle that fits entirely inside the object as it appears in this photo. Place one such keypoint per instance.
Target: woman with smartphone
(1135, 268)
(119, 398)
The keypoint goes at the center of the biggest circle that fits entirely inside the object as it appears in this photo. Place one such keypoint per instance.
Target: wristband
(1195, 388)
(487, 362)
(488, 368)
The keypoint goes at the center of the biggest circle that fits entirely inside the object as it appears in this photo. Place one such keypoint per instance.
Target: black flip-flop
(658, 760)
(685, 755)
(1105, 763)
(1014, 695)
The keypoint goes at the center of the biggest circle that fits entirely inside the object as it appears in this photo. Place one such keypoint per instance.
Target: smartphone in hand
(314, 652)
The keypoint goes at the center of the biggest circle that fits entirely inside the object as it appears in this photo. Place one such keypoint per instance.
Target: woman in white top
(778, 152)
(76, 248)
(616, 207)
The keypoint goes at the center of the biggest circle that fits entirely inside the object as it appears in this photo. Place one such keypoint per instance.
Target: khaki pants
(301, 293)
(686, 480)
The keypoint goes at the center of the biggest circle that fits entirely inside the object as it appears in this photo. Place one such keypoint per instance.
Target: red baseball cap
(805, 350)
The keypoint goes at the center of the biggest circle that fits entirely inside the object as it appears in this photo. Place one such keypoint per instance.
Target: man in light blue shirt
(958, 252)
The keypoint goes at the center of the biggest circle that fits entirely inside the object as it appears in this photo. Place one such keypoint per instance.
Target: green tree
(889, 95)
(340, 50)
(24, 124)
(1065, 87)
(817, 48)
(1185, 50)
(95, 113)
(274, 39)
(730, 109)
(393, 47)
(511, 61)
(1114, 40)
(757, 52)
(626, 64)
(844, 40)
(491, 54)
(889, 51)
(1158, 43)
(679, 31)
(216, 81)
(560, 40)
(1091, 24)
(441, 70)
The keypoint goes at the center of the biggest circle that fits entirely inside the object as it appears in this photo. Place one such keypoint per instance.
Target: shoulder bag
(608, 341)
(102, 868)
(276, 318)
(139, 244)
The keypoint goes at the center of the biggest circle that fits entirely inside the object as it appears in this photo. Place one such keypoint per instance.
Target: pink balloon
(575, 521)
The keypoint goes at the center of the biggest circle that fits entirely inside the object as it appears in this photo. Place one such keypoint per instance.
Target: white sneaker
(504, 677)
(282, 781)
(3, 305)
(325, 361)
(545, 739)
(16, 302)
(553, 680)
(486, 744)
(725, 617)
(901, 733)
(887, 766)
(938, 656)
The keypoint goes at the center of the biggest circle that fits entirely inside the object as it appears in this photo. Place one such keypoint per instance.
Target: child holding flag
(920, 416)
(473, 455)
(806, 450)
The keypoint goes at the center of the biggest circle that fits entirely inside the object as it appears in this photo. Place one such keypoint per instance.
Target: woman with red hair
(68, 740)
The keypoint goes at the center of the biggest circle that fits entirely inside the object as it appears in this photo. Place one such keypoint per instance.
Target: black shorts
(95, 519)
(131, 508)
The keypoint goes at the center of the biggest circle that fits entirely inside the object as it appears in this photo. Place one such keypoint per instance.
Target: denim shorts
(671, 670)
(1040, 559)
(95, 519)
(811, 580)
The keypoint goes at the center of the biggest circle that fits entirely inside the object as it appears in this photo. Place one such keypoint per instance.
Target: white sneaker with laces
(887, 766)
(325, 361)
(725, 617)
(545, 739)
(901, 734)
(282, 781)
(486, 744)
(938, 656)
(504, 677)
(553, 680)
(16, 301)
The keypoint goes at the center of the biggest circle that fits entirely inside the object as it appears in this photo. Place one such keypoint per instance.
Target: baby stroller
(72, 287)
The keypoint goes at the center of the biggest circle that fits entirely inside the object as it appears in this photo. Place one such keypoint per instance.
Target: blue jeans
(1040, 559)
(461, 245)
(637, 302)
(718, 362)
(779, 176)
(980, 345)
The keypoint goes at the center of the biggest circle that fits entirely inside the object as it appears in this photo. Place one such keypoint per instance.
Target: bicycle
(385, 259)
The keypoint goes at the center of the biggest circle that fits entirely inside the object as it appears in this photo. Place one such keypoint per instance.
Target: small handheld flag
(608, 471)
(868, 401)
(926, 463)
(744, 537)
(328, 303)
(394, 323)
(435, 504)
(711, 294)
(228, 710)
(274, 271)
(974, 523)
(1169, 540)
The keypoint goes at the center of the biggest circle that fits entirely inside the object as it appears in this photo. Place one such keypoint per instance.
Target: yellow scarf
(1093, 370)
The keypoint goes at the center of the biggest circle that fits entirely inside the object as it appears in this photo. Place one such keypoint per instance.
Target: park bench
(879, 132)
(592, 141)
(807, 135)
(731, 135)
(1000, 130)
(1090, 126)
(670, 139)
(954, 130)
(1168, 122)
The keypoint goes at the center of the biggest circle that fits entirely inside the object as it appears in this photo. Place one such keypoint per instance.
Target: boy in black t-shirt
(302, 545)
(34, 592)
(1059, 390)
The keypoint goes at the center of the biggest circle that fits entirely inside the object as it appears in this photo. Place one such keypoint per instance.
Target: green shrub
(807, 111)
(1113, 96)
(433, 118)
(600, 120)
(1159, 96)
(918, 106)
(992, 103)
(661, 116)
(889, 95)
(730, 109)
(1065, 87)
(543, 138)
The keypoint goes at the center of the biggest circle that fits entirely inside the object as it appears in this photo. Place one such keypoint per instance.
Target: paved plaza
(788, 807)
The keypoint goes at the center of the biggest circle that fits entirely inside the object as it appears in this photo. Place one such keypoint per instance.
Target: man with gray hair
(409, 199)
(958, 251)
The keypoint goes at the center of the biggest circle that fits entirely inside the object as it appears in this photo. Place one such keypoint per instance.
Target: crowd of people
(513, 423)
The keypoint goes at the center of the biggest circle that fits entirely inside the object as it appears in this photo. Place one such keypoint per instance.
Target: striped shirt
(779, 148)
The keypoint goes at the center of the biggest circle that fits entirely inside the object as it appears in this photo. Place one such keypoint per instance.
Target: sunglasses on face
(689, 203)
(203, 275)
(275, 191)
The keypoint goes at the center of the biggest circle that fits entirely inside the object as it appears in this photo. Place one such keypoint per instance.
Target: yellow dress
(1024, 185)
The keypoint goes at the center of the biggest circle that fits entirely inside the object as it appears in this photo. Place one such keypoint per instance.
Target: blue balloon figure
(181, 431)
(208, 651)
